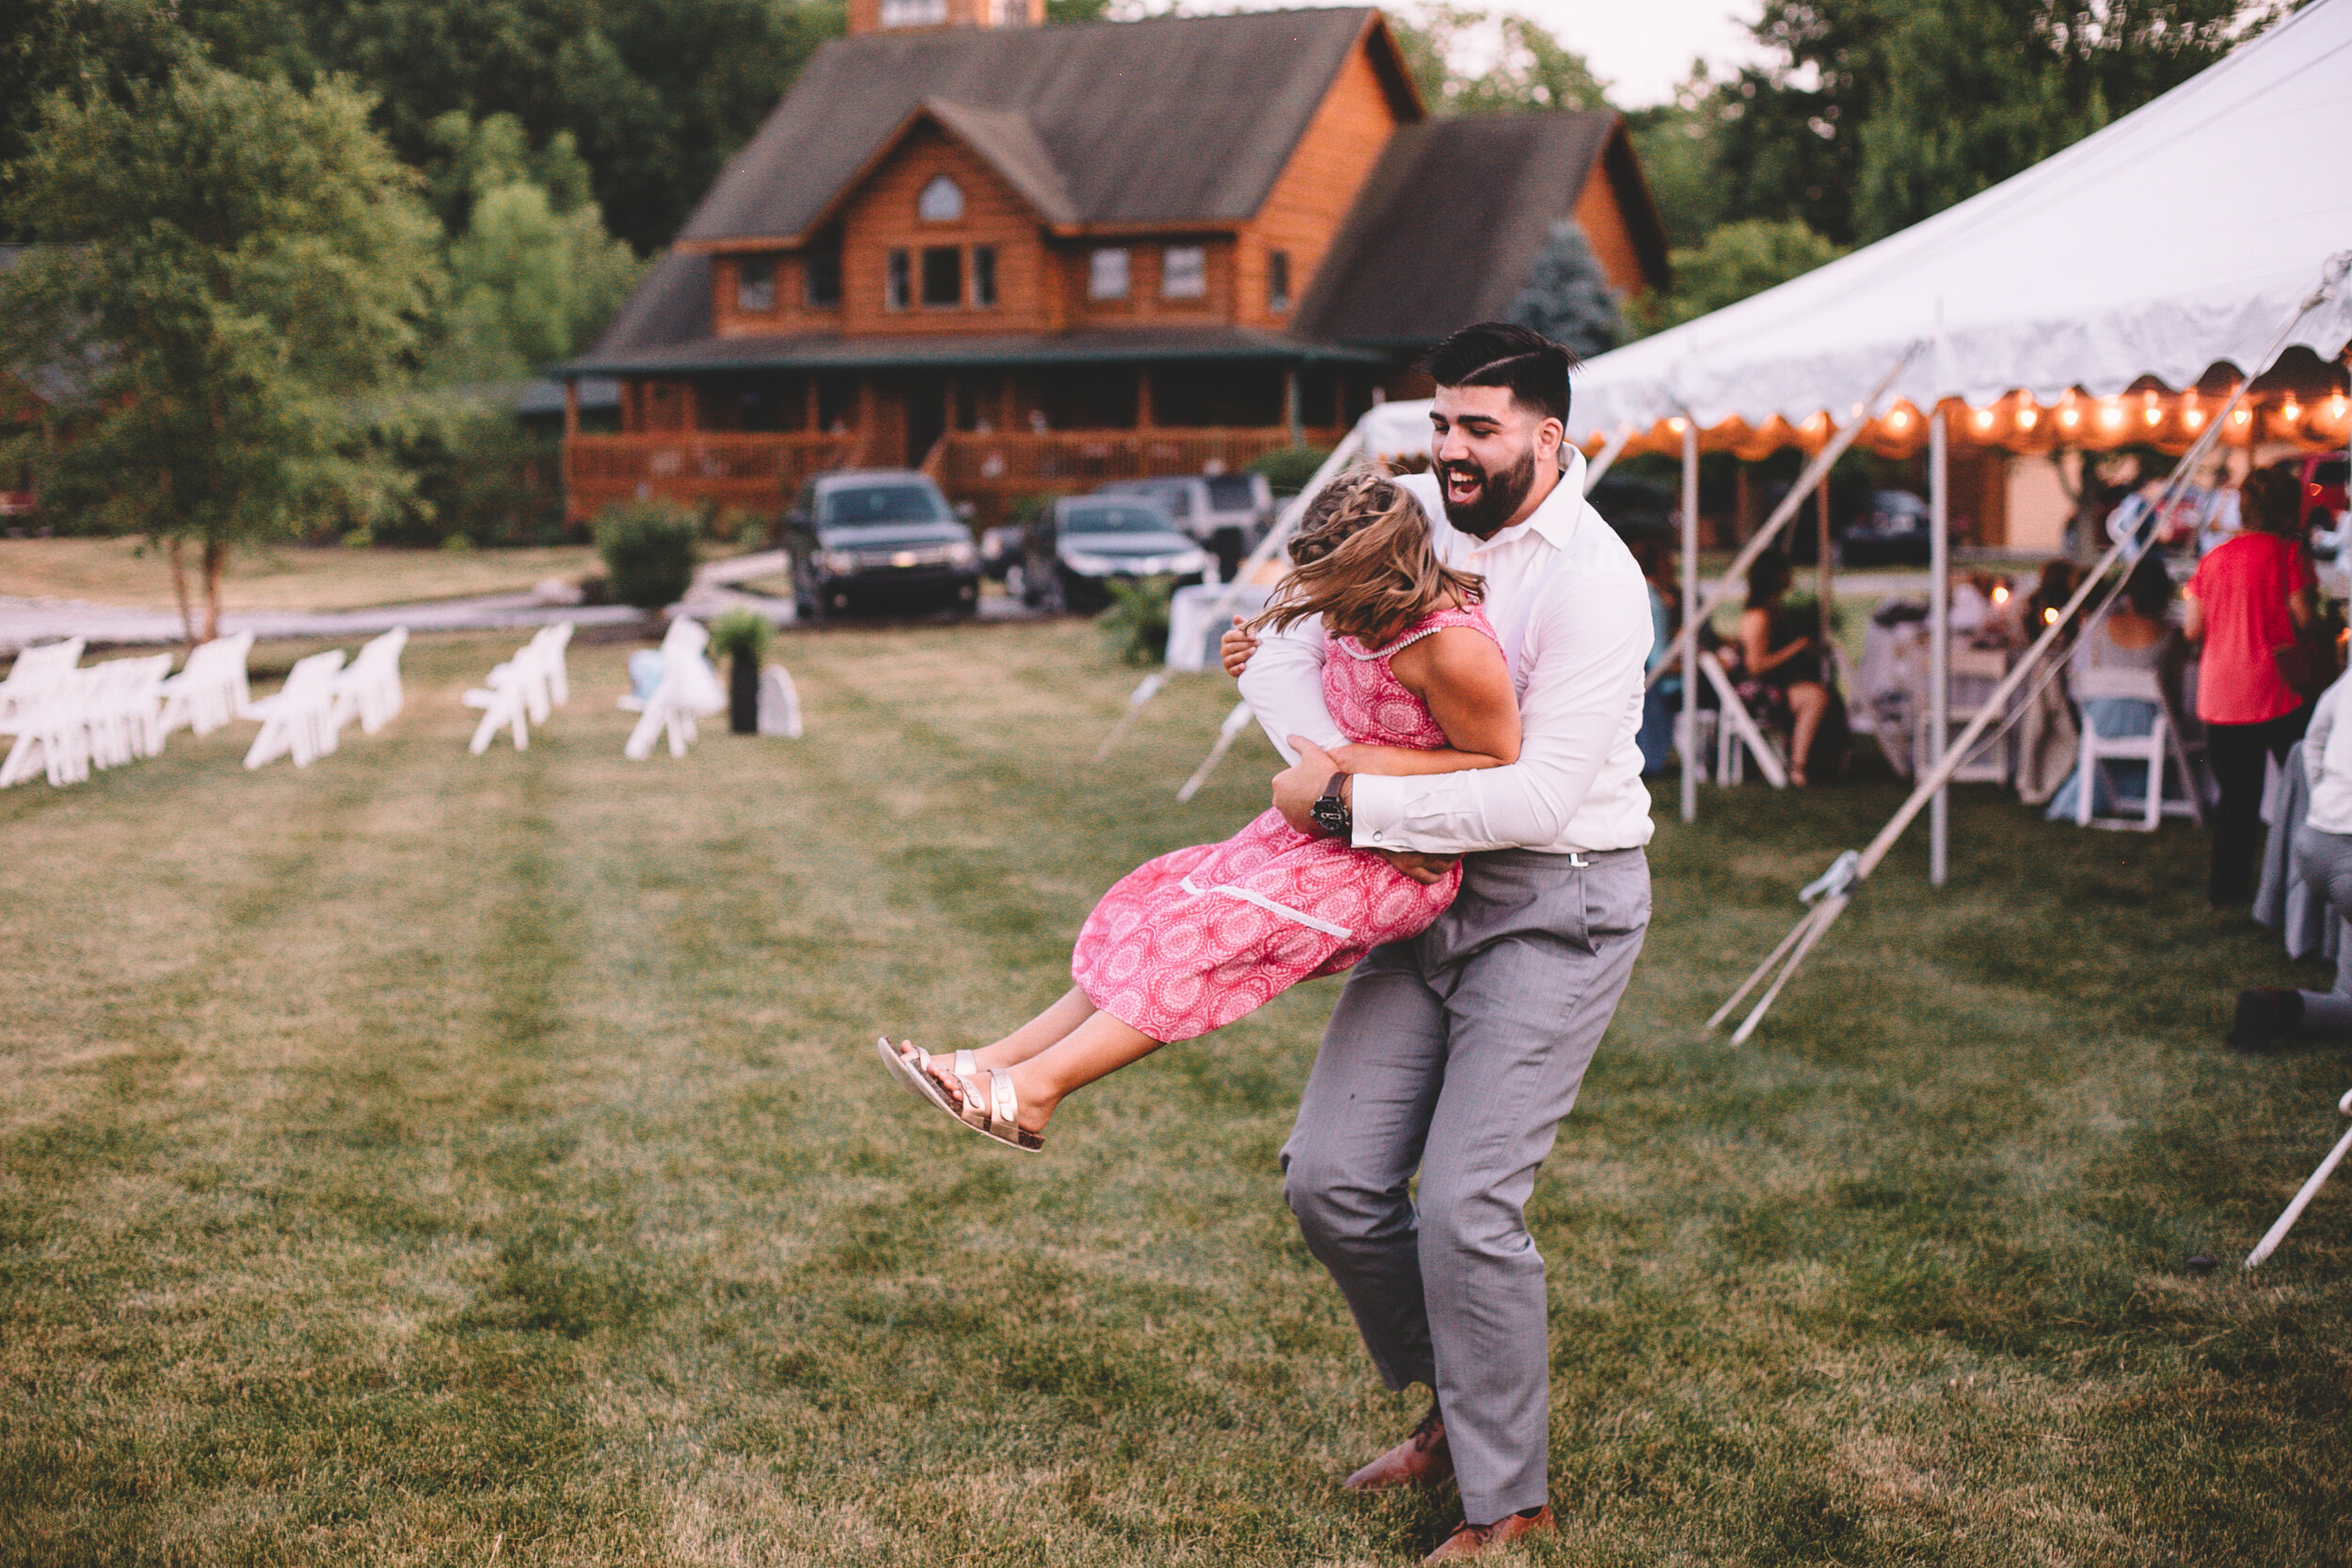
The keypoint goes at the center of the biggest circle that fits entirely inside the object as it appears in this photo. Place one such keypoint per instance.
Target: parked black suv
(878, 536)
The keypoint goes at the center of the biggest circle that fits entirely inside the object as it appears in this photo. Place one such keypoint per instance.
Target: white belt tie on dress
(1251, 896)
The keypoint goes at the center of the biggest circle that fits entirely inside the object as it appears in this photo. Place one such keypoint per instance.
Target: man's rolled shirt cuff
(1376, 805)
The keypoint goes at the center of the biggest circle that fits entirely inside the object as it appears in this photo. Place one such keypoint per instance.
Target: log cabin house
(1030, 258)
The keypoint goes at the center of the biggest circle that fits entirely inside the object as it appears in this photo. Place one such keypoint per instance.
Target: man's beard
(1499, 495)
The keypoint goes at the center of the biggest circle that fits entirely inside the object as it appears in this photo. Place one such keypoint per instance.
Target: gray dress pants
(2324, 861)
(1457, 1053)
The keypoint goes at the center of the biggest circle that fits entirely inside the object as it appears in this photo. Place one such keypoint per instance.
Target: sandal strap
(966, 1065)
(975, 1107)
(1004, 1106)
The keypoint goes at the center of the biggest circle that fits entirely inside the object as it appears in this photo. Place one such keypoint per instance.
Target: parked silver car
(1083, 544)
(1228, 512)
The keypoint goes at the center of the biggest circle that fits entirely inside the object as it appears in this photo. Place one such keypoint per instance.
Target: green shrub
(1136, 624)
(741, 631)
(649, 551)
(1287, 469)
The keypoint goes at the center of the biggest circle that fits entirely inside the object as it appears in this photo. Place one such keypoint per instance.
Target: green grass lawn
(436, 1159)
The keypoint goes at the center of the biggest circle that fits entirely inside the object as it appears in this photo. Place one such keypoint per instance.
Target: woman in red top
(2243, 606)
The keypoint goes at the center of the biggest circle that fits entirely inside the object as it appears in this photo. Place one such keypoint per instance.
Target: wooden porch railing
(758, 470)
(1025, 463)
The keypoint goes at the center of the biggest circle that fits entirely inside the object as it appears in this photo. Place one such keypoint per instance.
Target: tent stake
(1814, 927)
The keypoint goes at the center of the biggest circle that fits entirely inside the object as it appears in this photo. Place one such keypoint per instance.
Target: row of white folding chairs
(304, 719)
(524, 691)
(34, 673)
(102, 716)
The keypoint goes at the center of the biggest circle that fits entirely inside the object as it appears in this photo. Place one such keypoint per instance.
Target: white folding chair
(369, 687)
(123, 708)
(688, 689)
(1737, 731)
(296, 722)
(2160, 745)
(504, 700)
(1979, 671)
(35, 671)
(210, 690)
(52, 733)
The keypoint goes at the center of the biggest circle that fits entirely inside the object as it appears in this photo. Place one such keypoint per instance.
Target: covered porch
(992, 420)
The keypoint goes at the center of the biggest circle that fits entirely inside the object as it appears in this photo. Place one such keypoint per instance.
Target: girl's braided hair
(1363, 559)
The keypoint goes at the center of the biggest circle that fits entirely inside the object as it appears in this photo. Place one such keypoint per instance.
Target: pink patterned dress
(1190, 942)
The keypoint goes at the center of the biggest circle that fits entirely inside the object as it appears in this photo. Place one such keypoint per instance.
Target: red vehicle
(2323, 489)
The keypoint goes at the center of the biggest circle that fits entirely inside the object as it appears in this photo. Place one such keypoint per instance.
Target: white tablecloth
(1195, 622)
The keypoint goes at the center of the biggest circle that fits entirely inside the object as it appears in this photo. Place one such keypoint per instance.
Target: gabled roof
(1004, 139)
(1449, 227)
(1173, 119)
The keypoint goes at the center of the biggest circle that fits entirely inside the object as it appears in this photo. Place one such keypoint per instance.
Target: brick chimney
(929, 16)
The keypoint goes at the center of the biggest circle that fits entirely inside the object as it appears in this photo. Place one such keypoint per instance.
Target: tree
(533, 272)
(1737, 259)
(1523, 65)
(86, 47)
(1567, 297)
(230, 271)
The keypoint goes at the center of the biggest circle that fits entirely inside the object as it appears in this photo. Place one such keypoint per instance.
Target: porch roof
(833, 352)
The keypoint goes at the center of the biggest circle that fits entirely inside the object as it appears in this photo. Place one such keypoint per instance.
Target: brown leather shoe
(1469, 1540)
(1421, 1460)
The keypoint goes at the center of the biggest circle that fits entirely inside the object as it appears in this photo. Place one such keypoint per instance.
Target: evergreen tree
(1567, 297)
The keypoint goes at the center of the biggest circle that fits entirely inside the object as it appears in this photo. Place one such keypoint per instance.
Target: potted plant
(745, 634)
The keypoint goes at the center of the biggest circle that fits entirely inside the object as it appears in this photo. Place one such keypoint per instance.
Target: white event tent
(2183, 237)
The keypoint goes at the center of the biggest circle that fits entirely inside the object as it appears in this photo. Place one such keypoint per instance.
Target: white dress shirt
(1572, 611)
(2327, 763)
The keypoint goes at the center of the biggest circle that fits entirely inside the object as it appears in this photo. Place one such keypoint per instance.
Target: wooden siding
(1600, 213)
(1144, 305)
(880, 218)
(1316, 187)
(755, 472)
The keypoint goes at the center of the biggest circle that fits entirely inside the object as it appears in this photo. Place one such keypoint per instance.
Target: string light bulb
(2049, 616)
(1899, 419)
(2291, 410)
(1677, 424)
(1981, 418)
(2027, 417)
(2111, 414)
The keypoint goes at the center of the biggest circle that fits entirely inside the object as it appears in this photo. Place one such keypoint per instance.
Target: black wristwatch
(1330, 810)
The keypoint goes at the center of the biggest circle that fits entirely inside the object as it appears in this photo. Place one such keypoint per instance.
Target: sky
(1642, 48)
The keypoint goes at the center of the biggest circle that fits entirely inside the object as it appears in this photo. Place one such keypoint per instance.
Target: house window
(943, 277)
(1184, 272)
(897, 282)
(755, 283)
(983, 277)
(821, 280)
(1107, 276)
(942, 200)
(913, 13)
(1277, 279)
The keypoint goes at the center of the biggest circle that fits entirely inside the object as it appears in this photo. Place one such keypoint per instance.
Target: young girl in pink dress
(1193, 940)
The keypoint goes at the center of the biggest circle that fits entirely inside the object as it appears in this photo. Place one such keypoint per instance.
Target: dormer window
(913, 13)
(942, 200)
(1184, 272)
(756, 284)
(1107, 273)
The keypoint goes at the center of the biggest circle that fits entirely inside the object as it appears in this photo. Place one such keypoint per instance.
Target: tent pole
(1689, 640)
(1608, 453)
(1814, 472)
(1824, 570)
(1939, 643)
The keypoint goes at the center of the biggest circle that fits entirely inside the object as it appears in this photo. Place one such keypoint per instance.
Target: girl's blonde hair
(1363, 559)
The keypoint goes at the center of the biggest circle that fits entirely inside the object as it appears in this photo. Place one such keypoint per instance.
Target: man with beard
(1459, 1052)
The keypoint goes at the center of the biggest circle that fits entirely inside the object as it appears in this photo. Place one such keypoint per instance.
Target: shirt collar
(1556, 519)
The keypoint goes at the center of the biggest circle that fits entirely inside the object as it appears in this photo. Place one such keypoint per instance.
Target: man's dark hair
(1504, 354)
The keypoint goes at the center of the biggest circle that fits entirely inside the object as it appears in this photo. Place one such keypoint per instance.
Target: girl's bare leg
(1049, 1027)
(1096, 1049)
